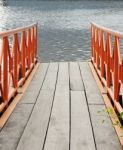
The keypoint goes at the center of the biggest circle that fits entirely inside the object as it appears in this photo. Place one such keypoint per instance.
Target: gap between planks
(17, 98)
(58, 131)
(37, 125)
(108, 104)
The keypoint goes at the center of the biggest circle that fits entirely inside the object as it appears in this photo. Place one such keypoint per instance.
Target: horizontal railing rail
(17, 30)
(107, 59)
(18, 56)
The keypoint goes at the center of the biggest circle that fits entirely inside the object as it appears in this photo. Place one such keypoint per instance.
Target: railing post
(102, 55)
(29, 47)
(33, 45)
(23, 53)
(116, 69)
(5, 68)
(15, 51)
(108, 75)
(36, 40)
(92, 43)
(97, 48)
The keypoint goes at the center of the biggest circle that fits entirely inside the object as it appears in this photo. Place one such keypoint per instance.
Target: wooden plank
(108, 104)
(50, 80)
(92, 91)
(81, 131)
(40, 116)
(17, 98)
(58, 131)
(13, 129)
(105, 135)
(42, 70)
(35, 131)
(33, 90)
(76, 83)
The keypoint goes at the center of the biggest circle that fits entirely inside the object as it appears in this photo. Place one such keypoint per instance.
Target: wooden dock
(60, 111)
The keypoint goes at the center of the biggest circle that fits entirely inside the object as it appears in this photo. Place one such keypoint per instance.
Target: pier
(57, 105)
(58, 111)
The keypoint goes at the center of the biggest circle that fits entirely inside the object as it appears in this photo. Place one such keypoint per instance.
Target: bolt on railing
(108, 61)
(18, 55)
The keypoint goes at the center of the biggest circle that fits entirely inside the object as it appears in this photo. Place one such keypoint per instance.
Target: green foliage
(121, 115)
(109, 111)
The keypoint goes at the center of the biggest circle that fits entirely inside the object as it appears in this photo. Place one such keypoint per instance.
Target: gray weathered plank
(13, 129)
(105, 135)
(35, 131)
(81, 131)
(34, 134)
(34, 88)
(92, 91)
(76, 83)
(58, 131)
(50, 80)
(57, 138)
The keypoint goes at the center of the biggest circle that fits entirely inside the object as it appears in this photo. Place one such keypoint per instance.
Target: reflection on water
(64, 33)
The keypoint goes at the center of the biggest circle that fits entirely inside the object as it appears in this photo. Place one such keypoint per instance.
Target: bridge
(60, 105)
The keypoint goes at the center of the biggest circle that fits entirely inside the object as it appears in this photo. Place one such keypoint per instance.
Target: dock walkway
(59, 111)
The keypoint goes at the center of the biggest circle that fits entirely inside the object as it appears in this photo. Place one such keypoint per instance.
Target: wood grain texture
(76, 83)
(58, 131)
(13, 129)
(50, 80)
(92, 91)
(57, 114)
(105, 135)
(35, 131)
(17, 98)
(34, 88)
(37, 126)
(81, 131)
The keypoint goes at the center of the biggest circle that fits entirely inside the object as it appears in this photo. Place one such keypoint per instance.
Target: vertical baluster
(108, 74)
(116, 69)
(1, 88)
(29, 47)
(122, 72)
(95, 41)
(5, 69)
(102, 54)
(97, 49)
(15, 50)
(33, 45)
(36, 40)
(23, 53)
(92, 44)
(1, 69)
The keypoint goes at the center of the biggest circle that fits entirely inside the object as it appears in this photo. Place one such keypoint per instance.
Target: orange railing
(108, 61)
(18, 55)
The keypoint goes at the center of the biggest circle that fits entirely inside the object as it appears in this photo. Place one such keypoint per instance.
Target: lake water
(64, 26)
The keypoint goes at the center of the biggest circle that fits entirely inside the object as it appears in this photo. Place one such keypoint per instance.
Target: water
(64, 26)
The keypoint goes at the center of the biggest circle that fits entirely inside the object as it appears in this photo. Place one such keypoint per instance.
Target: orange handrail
(108, 61)
(18, 56)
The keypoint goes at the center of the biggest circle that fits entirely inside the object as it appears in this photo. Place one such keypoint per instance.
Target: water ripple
(64, 26)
